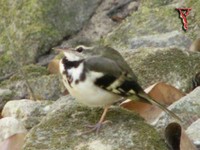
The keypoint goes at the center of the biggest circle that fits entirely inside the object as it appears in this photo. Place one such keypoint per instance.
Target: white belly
(88, 93)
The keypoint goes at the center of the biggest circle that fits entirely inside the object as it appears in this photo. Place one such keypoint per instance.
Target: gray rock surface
(101, 23)
(36, 26)
(150, 27)
(193, 132)
(170, 65)
(28, 112)
(5, 95)
(187, 108)
(10, 126)
(155, 25)
(47, 87)
(61, 129)
(169, 39)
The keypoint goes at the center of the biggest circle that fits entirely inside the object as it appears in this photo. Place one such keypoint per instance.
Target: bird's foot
(96, 128)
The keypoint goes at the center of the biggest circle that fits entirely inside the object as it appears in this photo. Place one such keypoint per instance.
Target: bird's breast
(84, 89)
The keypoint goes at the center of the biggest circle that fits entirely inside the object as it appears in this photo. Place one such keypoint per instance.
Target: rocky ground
(148, 34)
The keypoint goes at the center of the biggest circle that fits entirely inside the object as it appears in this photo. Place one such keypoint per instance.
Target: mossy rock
(170, 65)
(155, 22)
(8, 66)
(146, 21)
(157, 3)
(30, 29)
(30, 71)
(5, 95)
(44, 87)
(193, 18)
(60, 129)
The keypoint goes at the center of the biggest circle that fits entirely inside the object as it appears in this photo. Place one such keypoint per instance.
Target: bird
(99, 76)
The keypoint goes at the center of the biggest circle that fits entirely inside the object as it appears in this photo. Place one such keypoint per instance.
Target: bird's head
(77, 53)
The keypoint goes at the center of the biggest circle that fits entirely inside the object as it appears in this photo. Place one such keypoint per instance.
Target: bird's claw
(96, 128)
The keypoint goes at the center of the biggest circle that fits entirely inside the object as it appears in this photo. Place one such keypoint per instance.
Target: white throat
(72, 56)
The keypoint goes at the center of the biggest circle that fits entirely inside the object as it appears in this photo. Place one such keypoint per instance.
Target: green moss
(36, 26)
(7, 65)
(172, 66)
(35, 70)
(30, 71)
(64, 125)
(156, 3)
(7, 96)
(146, 21)
(193, 19)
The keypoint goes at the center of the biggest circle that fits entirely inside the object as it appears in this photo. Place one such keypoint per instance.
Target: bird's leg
(96, 128)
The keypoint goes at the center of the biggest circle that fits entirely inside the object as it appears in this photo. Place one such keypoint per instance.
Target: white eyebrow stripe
(84, 47)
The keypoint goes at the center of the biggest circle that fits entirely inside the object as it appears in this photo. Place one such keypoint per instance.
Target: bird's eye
(79, 49)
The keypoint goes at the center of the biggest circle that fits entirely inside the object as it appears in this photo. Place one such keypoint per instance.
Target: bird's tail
(146, 97)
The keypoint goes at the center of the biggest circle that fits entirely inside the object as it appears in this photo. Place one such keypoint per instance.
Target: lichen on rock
(61, 129)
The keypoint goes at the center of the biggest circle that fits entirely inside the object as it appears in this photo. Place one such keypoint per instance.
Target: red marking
(184, 12)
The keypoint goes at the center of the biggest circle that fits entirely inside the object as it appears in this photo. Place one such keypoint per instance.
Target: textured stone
(34, 27)
(187, 108)
(5, 95)
(157, 26)
(29, 112)
(170, 65)
(10, 126)
(192, 132)
(61, 129)
(45, 87)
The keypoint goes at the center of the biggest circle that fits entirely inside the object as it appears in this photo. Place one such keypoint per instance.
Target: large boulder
(5, 95)
(153, 42)
(156, 24)
(10, 126)
(28, 112)
(61, 129)
(150, 27)
(187, 108)
(170, 65)
(30, 29)
(43, 85)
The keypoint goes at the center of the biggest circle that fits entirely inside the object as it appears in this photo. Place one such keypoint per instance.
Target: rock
(47, 87)
(146, 33)
(103, 21)
(33, 28)
(10, 126)
(194, 22)
(170, 65)
(28, 112)
(60, 129)
(148, 28)
(16, 82)
(8, 66)
(5, 95)
(192, 132)
(174, 38)
(187, 108)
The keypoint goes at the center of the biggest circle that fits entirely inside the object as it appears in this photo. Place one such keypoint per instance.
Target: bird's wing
(115, 56)
(115, 78)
